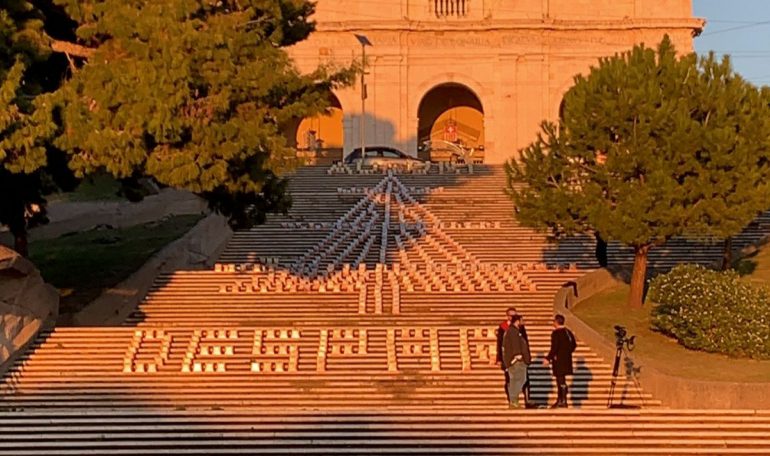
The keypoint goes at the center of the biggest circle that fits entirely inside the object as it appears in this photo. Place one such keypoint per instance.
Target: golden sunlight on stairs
(362, 321)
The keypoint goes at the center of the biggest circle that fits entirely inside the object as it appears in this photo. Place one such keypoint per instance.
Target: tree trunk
(638, 276)
(727, 254)
(20, 243)
(601, 250)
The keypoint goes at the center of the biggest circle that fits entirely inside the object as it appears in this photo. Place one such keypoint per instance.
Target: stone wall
(27, 304)
(673, 391)
(197, 249)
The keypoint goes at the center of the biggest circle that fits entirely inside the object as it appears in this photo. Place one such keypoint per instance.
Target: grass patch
(609, 308)
(82, 265)
(98, 187)
(755, 268)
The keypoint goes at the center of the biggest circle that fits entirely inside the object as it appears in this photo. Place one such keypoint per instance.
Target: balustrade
(450, 8)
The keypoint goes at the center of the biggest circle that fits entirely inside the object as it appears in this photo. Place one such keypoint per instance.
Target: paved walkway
(71, 216)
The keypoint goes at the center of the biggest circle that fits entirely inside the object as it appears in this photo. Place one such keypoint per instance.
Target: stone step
(222, 362)
(430, 431)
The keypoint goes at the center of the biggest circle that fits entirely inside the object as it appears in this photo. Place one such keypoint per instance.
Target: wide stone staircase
(363, 321)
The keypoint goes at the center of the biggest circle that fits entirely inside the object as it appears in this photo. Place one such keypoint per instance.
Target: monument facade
(483, 73)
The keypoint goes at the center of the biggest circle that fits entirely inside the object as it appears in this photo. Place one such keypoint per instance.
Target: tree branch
(73, 67)
(585, 167)
(72, 49)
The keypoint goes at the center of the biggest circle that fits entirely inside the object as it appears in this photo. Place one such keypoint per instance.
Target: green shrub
(712, 311)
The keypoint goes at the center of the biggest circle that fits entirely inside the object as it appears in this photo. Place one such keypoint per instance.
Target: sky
(740, 28)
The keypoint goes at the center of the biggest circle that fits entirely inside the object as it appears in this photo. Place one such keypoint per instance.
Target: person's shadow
(579, 393)
(543, 382)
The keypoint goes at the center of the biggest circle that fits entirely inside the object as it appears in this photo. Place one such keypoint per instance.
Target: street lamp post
(364, 42)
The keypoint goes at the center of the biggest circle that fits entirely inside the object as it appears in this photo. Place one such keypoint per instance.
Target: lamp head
(363, 40)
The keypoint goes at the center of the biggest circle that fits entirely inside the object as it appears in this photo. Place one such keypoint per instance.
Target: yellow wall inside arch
(328, 129)
(470, 125)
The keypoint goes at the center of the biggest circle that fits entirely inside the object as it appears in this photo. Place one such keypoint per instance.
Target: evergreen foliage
(27, 71)
(651, 145)
(195, 94)
(24, 129)
(712, 311)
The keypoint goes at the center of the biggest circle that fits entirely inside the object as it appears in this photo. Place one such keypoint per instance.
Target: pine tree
(651, 145)
(195, 94)
(27, 71)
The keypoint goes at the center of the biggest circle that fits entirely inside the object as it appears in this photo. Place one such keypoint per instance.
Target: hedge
(712, 311)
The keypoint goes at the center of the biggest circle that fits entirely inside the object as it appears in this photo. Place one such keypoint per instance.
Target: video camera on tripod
(621, 341)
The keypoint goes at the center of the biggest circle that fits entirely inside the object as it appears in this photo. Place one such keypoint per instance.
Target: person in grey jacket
(516, 358)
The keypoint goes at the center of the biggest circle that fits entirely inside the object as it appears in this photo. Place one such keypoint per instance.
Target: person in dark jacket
(501, 329)
(516, 358)
(563, 344)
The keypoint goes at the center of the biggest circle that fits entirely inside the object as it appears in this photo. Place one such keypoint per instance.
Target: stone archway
(451, 112)
(321, 138)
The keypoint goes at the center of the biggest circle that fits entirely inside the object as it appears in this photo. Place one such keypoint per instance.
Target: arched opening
(451, 114)
(320, 139)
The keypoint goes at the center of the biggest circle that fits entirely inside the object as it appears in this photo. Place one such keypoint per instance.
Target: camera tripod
(620, 350)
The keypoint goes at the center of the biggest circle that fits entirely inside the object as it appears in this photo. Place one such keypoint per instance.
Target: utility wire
(733, 29)
(710, 21)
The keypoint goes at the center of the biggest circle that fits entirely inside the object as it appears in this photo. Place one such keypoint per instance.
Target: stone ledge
(673, 391)
(464, 26)
(195, 250)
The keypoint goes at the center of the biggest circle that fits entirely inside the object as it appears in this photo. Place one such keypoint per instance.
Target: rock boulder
(27, 303)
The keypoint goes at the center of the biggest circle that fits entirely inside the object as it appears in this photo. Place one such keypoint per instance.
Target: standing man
(516, 358)
(501, 329)
(563, 344)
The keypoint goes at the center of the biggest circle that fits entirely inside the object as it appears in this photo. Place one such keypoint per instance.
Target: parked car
(381, 156)
(438, 150)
